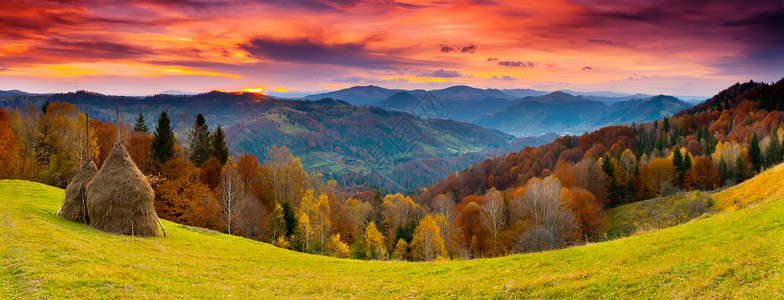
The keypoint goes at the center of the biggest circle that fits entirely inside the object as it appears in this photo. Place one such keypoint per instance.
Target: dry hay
(119, 198)
(74, 205)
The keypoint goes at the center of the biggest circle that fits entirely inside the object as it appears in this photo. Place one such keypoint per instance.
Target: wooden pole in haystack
(117, 123)
(87, 161)
(119, 141)
(87, 135)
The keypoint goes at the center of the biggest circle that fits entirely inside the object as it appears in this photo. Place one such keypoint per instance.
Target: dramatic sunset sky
(144, 47)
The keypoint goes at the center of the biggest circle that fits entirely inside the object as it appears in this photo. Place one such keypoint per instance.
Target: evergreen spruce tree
(218, 147)
(163, 140)
(772, 156)
(200, 141)
(666, 123)
(139, 126)
(755, 152)
(677, 161)
(740, 171)
(608, 169)
(726, 173)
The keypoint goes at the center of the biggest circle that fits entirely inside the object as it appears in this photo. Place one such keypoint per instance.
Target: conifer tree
(755, 152)
(139, 126)
(200, 141)
(163, 140)
(772, 153)
(677, 161)
(218, 147)
(740, 171)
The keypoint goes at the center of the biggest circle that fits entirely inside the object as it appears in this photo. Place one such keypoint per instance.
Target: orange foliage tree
(182, 198)
(9, 144)
(656, 176)
(704, 174)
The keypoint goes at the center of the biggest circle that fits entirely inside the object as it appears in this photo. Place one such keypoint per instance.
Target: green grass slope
(736, 254)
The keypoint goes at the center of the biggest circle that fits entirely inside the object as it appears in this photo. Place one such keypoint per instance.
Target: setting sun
(253, 90)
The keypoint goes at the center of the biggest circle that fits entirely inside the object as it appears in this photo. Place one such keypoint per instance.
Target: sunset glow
(673, 47)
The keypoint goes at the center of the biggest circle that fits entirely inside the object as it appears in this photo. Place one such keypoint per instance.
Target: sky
(148, 46)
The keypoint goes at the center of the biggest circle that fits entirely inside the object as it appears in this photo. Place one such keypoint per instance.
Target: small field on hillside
(736, 255)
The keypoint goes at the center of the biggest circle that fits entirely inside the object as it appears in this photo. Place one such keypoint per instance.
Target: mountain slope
(461, 108)
(556, 112)
(357, 95)
(641, 110)
(565, 113)
(332, 137)
(731, 255)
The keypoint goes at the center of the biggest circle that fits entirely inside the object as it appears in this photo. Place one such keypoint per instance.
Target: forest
(540, 198)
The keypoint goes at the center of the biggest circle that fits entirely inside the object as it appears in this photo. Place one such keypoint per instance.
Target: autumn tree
(211, 171)
(62, 142)
(656, 177)
(182, 198)
(427, 243)
(628, 173)
(163, 140)
(140, 149)
(337, 248)
(588, 214)
(9, 144)
(704, 174)
(444, 206)
(493, 216)
(551, 226)
(305, 212)
(287, 173)
(375, 241)
(472, 237)
(23, 123)
(231, 194)
(357, 213)
(322, 221)
(401, 250)
(277, 222)
(107, 138)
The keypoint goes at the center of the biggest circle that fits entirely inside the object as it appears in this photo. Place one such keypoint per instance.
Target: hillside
(663, 212)
(731, 255)
(332, 137)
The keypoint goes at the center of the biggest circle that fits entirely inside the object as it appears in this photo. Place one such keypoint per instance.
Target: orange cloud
(677, 46)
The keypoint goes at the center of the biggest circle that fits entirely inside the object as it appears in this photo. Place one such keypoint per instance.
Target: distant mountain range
(522, 112)
(18, 93)
(567, 114)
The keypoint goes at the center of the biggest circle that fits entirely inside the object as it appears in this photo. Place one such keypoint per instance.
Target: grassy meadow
(736, 254)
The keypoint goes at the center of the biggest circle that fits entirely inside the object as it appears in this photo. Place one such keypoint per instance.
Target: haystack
(75, 202)
(119, 198)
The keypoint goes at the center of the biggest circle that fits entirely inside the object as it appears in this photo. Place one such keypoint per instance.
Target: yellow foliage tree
(321, 219)
(303, 226)
(376, 242)
(427, 243)
(401, 250)
(337, 248)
